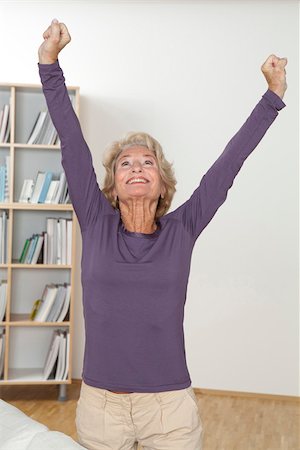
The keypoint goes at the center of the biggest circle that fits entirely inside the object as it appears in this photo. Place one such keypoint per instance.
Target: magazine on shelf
(57, 305)
(46, 183)
(38, 248)
(7, 177)
(69, 241)
(37, 127)
(4, 223)
(43, 131)
(52, 191)
(5, 123)
(54, 304)
(3, 298)
(66, 372)
(60, 369)
(43, 190)
(57, 362)
(52, 354)
(48, 299)
(2, 352)
(26, 192)
(62, 183)
(30, 251)
(38, 185)
(66, 304)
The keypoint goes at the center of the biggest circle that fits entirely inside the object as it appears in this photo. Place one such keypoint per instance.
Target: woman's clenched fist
(56, 37)
(274, 71)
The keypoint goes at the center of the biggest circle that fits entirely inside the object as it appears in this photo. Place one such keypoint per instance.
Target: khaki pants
(157, 421)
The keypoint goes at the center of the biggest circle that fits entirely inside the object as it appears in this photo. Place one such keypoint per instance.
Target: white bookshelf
(27, 342)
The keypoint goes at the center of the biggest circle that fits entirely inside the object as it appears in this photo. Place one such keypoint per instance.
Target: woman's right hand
(56, 37)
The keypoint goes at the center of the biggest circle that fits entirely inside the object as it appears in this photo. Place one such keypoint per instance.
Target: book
(7, 178)
(50, 237)
(62, 182)
(2, 339)
(31, 248)
(60, 369)
(52, 191)
(48, 299)
(65, 307)
(38, 185)
(64, 377)
(63, 226)
(26, 191)
(52, 355)
(37, 127)
(69, 241)
(24, 251)
(45, 187)
(38, 249)
(3, 299)
(2, 183)
(4, 122)
(57, 305)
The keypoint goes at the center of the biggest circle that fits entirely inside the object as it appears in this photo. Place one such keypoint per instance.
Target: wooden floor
(230, 423)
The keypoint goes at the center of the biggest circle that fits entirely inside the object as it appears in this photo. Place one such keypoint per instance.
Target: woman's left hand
(274, 71)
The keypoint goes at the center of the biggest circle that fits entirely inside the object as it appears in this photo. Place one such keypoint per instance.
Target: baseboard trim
(247, 394)
(215, 392)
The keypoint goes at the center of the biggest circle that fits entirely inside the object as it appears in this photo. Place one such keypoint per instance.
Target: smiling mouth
(138, 181)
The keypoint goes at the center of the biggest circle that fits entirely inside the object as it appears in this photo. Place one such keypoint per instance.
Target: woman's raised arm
(86, 196)
(212, 191)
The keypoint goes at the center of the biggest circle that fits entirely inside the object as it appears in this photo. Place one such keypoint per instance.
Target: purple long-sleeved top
(134, 284)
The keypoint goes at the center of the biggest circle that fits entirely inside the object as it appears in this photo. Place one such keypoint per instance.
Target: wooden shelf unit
(27, 342)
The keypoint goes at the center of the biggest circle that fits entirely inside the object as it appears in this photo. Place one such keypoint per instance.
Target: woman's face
(137, 175)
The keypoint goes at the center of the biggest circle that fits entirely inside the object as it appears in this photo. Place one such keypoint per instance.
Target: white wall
(189, 73)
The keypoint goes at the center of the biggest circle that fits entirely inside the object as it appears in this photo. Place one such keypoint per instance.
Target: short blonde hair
(165, 168)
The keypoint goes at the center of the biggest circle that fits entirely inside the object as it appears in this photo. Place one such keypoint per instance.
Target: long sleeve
(87, 198)
(212, 191)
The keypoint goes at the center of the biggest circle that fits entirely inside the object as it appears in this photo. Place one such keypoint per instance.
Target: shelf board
(38, 206)
(15, 265)
(33, 86)
(29, 376)
(37, 146)
(32, 146)
(21, 320)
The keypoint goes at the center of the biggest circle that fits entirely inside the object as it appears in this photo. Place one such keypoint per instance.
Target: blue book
(44, 191)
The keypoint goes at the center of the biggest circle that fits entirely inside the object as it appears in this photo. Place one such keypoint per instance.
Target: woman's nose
(137, 166)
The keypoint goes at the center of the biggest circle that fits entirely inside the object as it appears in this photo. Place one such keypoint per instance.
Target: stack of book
(3, 299)
(53, 246)
(45, 189)
(54, 304)
(5, 124)
(4, 224)
(56, 366)
(43, 131)
(2, 349)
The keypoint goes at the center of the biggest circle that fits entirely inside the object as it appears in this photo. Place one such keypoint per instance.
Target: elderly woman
(136, 259)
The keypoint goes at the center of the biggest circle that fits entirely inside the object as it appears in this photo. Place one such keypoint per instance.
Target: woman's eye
(147, 161)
